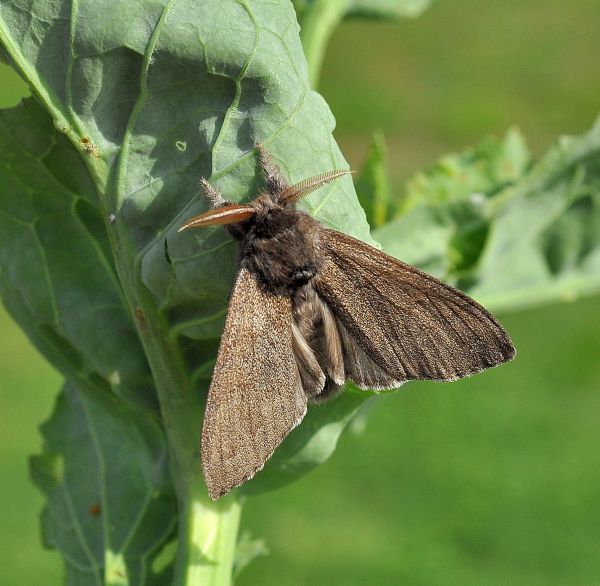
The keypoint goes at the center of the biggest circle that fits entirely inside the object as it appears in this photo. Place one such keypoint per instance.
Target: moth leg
(274, 179)
(212, 195)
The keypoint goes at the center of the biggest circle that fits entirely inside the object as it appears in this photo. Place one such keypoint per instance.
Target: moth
(312, 308)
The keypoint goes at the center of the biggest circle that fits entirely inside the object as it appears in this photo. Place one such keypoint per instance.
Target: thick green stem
(211, 528)
(318, 24)
(207, 529)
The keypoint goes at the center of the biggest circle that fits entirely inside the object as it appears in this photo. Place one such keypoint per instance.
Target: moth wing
(255, 398)
(398, 323)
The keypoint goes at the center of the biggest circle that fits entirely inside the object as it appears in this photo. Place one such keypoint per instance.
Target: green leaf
(535, 241)
(58, 276)
(485, 169)
(545, 241)
(110, 505)
(373, 183)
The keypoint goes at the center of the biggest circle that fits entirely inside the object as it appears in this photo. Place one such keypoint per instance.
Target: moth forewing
(255, 398)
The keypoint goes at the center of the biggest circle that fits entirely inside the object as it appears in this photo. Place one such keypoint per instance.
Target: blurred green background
(493, 480)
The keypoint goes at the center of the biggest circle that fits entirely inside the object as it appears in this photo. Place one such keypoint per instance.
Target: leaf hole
(165, 559)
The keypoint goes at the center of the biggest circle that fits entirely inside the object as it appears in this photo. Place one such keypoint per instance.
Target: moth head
(284, 196)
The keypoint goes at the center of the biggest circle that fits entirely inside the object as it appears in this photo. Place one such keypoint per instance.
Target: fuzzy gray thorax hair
(279, 245)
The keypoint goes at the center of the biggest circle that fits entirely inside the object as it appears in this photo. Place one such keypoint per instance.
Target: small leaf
(439, 238)
(445, 213)
(484, 169)
(532, 242)
(373, 184)
(110, 506)
(545, 242)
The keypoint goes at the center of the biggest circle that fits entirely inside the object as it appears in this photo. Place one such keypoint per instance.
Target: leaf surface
(58, 276)
(110, 505)
(509, 235)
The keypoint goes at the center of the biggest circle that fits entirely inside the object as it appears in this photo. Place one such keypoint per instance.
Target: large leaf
(59, 283)
(110, 503)
(535, 241)
(143, 99)
(168, 94)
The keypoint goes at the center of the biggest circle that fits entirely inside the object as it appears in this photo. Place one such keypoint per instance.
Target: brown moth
(312, 308)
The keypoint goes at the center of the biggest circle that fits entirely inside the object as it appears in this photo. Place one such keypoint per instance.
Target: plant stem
(211, 527)
(318, 23)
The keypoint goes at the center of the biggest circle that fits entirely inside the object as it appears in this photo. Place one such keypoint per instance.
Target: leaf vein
(102, 473)
(238, 85)
(97, 569)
